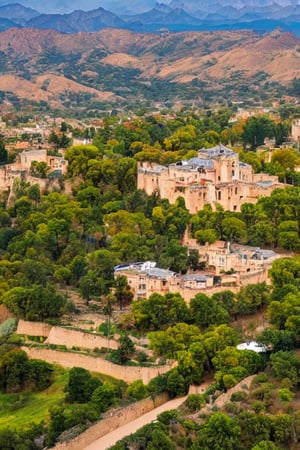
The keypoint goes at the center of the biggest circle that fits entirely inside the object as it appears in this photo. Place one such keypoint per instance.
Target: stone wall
(73, 338)
(118, 418)
(97, 364)
(257, 277)
(33, 328)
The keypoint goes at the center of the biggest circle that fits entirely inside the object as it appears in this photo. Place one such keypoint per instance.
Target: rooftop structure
(216, 176)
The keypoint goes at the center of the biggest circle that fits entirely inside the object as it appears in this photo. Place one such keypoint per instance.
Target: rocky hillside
(114, 66)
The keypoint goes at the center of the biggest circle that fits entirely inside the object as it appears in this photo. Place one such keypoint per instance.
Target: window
(236, 190)
(219, 195)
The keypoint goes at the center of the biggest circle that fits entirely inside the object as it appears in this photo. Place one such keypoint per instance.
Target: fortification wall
(118, 418)
(97, 364)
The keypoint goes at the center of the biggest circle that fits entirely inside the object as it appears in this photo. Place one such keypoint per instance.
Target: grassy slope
(19, 410)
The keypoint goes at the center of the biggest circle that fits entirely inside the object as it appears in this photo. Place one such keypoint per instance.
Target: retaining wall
(73, 338)
(118, 418)
(97, 364)
(33, 328)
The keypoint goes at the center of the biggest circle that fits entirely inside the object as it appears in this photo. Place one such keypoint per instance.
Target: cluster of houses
(227, 266)
(215, 176)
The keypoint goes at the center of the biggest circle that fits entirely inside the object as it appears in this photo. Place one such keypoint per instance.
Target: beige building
(216, 176)
(21, 168)
(226, 266)
(146, 279)
(223, 257)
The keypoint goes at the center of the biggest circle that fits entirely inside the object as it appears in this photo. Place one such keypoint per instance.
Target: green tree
(205, 312)
(286, 365)
(14, 371)
(282, 428)
(286, 271)
(256, 129)
(81, 385)
(39, 169)
(219, 432)
(252, 298)
(137, 390)
(36, 303)
(206, 236)
(278, 339)
(105, 396)
(265, 445)
(176, 383)
(234, 230)
(123, 293)
(78, 158)
(126, 349)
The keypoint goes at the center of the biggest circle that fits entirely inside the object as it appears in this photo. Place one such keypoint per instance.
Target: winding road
(111, 438)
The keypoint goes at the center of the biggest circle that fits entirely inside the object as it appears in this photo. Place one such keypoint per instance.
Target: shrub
(238, 396)
(168, 417)
(7, 327)
(105, 396)
(137, 390)
(194, 402)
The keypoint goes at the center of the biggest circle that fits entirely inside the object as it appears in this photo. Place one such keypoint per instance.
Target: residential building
(226, 266)
(221, 257)
(216, 176)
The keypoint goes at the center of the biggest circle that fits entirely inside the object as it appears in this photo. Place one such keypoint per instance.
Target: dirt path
(111, 438)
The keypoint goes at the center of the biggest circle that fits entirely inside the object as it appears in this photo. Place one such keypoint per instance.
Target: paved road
(110, 439)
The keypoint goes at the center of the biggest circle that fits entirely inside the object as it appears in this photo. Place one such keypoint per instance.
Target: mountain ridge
(115, 66)
(177, 16)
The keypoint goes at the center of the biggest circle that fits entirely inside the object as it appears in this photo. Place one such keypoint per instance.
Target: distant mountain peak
(151, 15)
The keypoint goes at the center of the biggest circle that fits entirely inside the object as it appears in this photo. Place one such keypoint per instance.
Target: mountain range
(147, 16)
(115, 68)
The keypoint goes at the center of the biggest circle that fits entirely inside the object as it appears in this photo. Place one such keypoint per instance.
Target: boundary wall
(117, 419)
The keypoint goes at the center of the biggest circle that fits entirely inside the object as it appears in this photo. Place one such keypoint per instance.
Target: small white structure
(254, 346)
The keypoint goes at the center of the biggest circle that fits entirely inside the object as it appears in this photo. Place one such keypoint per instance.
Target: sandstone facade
(216, 176)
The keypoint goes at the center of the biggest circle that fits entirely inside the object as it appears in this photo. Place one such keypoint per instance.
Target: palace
(216, 176)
